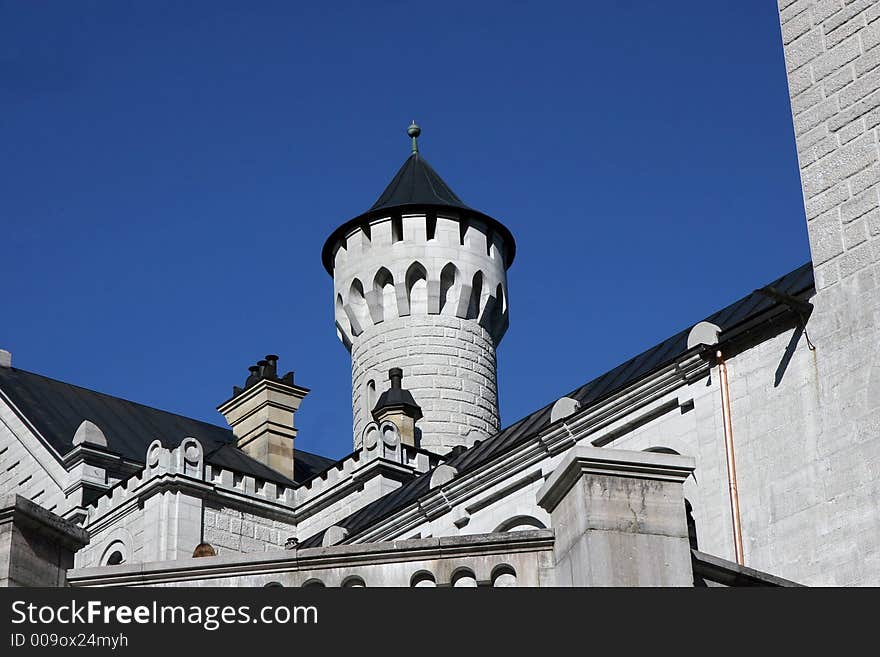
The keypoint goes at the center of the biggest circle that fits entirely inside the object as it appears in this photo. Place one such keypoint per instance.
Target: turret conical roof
(416, 183)
(416, 187)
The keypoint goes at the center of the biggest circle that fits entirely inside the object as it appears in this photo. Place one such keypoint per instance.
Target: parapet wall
(418, 264)
(512, 559)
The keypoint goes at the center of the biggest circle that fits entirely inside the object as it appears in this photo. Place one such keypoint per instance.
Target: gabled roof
(752, 309)
(56, 409)
(417, 187)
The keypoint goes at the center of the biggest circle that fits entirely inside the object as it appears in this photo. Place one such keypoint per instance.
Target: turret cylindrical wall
(427, 294)
(449, 367)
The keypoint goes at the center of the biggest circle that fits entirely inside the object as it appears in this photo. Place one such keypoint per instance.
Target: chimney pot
(395, 375)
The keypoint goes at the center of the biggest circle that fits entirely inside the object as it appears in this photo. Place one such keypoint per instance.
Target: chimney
(261, 415)
(398, 406)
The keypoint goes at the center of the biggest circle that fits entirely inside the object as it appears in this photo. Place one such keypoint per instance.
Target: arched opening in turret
(383, 287)
(358, 303)
(450, 289)
(473, 311)
(417, 289)
(343, 326)
(370, 397)
(501, 300)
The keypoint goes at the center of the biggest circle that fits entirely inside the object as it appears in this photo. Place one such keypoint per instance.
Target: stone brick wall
(449, 367)
(20, 470)
(232, 531)
(832, 54)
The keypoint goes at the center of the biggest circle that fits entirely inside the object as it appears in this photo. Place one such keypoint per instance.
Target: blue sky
(170, 171)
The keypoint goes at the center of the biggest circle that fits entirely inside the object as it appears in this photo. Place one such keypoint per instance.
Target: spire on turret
(414, 131)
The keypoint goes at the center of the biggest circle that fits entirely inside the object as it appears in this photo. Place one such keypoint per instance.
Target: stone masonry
(449, 367)
(832, 56)
(430, 301)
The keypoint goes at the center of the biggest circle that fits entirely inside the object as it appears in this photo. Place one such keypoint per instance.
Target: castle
(743, 450)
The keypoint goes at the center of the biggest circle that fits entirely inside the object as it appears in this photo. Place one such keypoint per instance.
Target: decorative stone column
(619, 518)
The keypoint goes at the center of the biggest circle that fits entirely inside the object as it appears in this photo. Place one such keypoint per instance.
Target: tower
(420, 284)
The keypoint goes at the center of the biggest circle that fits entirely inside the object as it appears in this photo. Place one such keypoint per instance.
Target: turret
(420, 283)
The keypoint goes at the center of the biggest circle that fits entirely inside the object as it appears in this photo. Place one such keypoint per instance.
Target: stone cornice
(21, 511)
(588, 460)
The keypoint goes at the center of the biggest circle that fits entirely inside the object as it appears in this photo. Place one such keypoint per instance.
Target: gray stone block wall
(20, 470)
(832, 55)
(449, 367)
(230, 530)
(36, 547)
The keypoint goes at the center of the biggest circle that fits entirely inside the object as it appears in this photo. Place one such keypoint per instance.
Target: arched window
(314, 582)
(449, 289)
(353, 582)
(273, 585)
(417, 289)
(503, 576)
(501, 303)
(343, 326)
(464, 578)
(371, 396)
(358, 304)
(473, 311)
(115, 553)
(383, 287)
(520, 523)
(423, 579)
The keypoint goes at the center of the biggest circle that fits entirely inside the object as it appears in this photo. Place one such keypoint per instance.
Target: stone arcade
(744, 450)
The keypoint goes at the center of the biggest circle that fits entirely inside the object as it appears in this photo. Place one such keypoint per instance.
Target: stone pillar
(619, 518)
(175, 518)
(36, 546)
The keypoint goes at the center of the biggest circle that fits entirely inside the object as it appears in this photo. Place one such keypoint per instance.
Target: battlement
(420, 264)
(187, 460)
(382, 442)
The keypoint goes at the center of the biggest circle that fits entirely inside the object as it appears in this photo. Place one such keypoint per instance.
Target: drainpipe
(731, 461)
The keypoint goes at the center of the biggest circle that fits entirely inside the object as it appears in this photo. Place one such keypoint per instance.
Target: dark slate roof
(417, 187)
(56, 409)
(751, 308)
(416, 183)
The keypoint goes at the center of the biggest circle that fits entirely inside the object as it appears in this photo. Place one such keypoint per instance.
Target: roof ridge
(117, 397)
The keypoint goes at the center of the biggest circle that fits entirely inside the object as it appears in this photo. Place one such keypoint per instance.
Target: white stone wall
(428, 295)
(832, 55)
(127, 533)
(26, 466)
(230, 530)
(448, 366)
